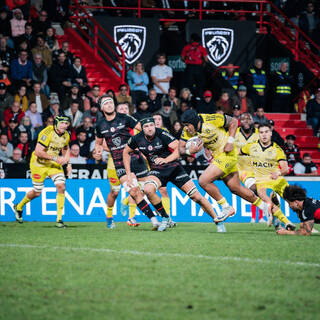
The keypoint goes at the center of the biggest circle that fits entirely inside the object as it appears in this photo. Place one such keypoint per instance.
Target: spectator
(53, 109)
(60, 76)
(41, 24)
(305, 167)
(38, 98)
(123, 95)
(185, 95)
(5, 26)
(158, 120)
(28, 37)
(172, 98)
(194, 55)
(50, 40)
(236, 112)
(275, 135)
(16, 157)
(224, 103)
(26, 126)
(259, 116)
(74, 114)
(142, 110)
(88, 128)
(40, 73)
(21, 97)
(313, 112)
(21, 70)
(111, 93)
(6, 148)
(83, 142)
(154, 101)
(138, 81)
(41, 48)
(65, 49)
(34, 115)
(24, 145)
(206, 104)
(309, 20)
(161, 75)
(282, 90)
(91, 97)
(6, 53)
(14, 111)
(12, 131)
(94, 114)
(23, 46)
(74, 94)
(95, 158)
(6, 99)
(291, 150)
(48, 122)
(169, 114)
(177, 129)
(231, 77)
(123, 108)
(79, 75)
(17, 24)
(257, 81)
(75, 157)
(183, 107)
(241, 99)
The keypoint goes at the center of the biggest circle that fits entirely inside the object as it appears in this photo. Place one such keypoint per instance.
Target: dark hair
(28, 25)
(260, 107)
(294, 192)
(306, 155)
(195, 37)
(75, 101)
(95, 86)
(173, 88)
(262, 125)
(161, 54)
(123, 85)
(36, 82)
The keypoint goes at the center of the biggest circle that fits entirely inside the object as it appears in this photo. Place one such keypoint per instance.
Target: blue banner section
(86, 202)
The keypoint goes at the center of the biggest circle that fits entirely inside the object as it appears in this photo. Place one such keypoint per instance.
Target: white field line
(165, 254)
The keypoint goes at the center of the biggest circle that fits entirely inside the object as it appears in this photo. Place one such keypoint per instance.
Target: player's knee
(36, 194)
(61, 187)
(202, 182)
(134, 192)
(196, 197)
(114, 193)
(149, 189)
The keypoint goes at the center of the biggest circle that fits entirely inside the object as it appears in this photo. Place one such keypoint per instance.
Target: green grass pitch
(190, 272)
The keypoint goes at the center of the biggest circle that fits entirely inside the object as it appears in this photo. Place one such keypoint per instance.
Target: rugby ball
(192, 142)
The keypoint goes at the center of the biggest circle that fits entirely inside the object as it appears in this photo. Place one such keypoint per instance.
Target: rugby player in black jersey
(162, 152)
(115, 129)
(307, 209)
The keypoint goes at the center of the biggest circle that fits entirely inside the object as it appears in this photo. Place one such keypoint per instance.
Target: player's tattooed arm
(305, 229)
(231, 124)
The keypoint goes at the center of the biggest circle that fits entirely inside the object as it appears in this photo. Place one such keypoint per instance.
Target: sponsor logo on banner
(219, 44)
(132, 40)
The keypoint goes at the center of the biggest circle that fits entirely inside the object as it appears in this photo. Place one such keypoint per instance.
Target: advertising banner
(86, 202)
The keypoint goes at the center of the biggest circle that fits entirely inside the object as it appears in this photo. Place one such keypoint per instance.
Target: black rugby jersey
(156, 148)
(311, 210)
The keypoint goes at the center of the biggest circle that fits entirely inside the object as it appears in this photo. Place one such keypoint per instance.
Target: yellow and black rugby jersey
(264, 160)
(212, 132)
(53, 142)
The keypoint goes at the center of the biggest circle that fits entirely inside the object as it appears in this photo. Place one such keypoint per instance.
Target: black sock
(145, 208)
(160, 209)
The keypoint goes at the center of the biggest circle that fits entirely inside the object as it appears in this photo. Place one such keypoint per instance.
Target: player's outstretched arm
(305, 229)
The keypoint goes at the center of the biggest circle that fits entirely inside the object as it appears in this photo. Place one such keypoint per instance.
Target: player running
(307, 209)
(247, 133)
(270, 165)
(115, 129)
(217, 134)
(156, 145)
(46, 161)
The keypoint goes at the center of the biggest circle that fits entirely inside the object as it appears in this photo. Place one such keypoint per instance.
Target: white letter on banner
(46, 201)
(84, 174)
(244, 212)
(183, 199)
(79, 208)
(28, 205)
(96, 174)
(93, 204)
(286, 208)
(5, 201)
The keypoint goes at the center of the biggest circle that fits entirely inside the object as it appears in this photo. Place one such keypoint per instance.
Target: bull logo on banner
(219, 43)
(131, 39)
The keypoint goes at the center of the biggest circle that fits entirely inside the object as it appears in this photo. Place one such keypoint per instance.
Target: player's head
(190, 121)
(246, 121)
(158, 120)
(295, 196)
(265, 133)
(123, 107)
(107, 104)
(148, 126)
(61, 123)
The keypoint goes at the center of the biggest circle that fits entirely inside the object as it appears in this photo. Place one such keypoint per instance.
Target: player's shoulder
(127, 117)
(212, 117)
(277, 147)
(47, 131)
(163, 132)
(100, 123)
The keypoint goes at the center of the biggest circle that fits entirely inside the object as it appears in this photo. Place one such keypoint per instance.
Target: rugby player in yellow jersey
(46, 161)
(247, 133)
(270, 165)
(216, 133)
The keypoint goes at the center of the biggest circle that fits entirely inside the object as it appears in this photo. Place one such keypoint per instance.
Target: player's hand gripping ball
(193, 145)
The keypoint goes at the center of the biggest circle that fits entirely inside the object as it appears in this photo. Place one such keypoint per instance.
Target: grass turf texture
(190, 272)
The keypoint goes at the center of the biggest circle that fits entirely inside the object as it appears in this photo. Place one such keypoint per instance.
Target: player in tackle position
(47, 162)
(162, 152)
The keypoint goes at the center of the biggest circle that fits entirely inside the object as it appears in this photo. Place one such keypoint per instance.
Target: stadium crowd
(40, 79)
